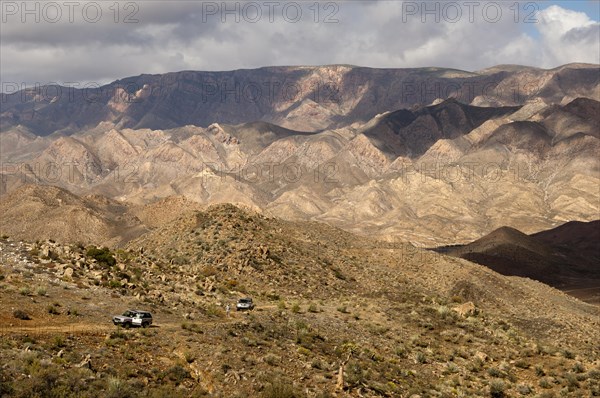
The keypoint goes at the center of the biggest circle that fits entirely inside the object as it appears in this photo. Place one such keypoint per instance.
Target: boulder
(86, 363)
(482, 356)
(68, 272)
(46, 251)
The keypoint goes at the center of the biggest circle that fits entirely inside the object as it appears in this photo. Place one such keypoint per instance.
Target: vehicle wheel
(127, 325)
(145, 325)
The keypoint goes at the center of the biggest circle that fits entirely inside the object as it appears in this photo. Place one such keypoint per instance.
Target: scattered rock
(482, 356)
(86, 363)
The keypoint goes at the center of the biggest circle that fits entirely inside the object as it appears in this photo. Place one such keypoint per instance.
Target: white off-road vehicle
(133, 318)
(244, 304)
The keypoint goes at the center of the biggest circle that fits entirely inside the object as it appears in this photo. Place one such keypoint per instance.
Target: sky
(78, 42)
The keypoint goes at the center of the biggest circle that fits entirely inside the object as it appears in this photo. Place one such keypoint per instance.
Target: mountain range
(405, 154)
(300, 98)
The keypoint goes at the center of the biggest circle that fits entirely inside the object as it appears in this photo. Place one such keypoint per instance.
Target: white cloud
(557, 21)
(568, 36)
(174, 35)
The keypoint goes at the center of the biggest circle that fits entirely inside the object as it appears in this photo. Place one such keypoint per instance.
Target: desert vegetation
(313, 334)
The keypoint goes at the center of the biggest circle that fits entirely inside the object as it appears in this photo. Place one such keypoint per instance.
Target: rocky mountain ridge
(300, 98)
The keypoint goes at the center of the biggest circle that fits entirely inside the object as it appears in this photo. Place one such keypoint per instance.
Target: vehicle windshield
(129, 314)
(245, 301)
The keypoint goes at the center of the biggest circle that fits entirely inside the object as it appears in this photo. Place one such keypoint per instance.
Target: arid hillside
(38, 212)
(336, 315)
(566, 257)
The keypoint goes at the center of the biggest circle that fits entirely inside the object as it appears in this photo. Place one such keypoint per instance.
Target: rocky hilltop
(565, 257)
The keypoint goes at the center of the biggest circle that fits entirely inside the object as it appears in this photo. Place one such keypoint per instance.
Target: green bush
(522, 364)
(420, 357)
(5, 388)
(117, 388)
(271, 359)
(338, 273)
(280, 389)
(176, 374)
(568, 354)
(213, 310)
(544, 383)
(53, 310)
(19, 314)
(524, 389)
(578, 367)
(494, 372)
(497, 388)
(103, 255)
(114, 284)
(539, 371)
(192, 327)
(58, 341)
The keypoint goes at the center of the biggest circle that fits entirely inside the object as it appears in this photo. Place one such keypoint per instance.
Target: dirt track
(93, 328)
(47, 329)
